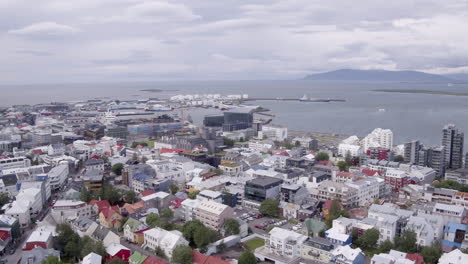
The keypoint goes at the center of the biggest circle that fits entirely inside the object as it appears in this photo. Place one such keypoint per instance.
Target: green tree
(432, 254)
(51, 260)
(117, 168)
(193, 195)
(407, 242)
(4, 198)
(228, 142)
(130, 196)
(342, 165)
(153, 220)
(369, 239)
(322, 156)
(398, 158)
(160, 252)
(64, 233)
(335, 211)
(231, 227)
(269, 207)
(182, 255)
(85, 195)
(204, 236)
(73, 249)
(189, 228)
(386, 246)
(173, 188)
(247, 257)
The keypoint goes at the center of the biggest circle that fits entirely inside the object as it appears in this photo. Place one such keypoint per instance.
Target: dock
(311, 100)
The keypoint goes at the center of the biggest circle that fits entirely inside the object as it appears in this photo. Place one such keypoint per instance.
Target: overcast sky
(45, 41)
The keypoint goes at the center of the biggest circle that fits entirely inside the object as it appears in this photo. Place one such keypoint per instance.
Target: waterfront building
(453, 140)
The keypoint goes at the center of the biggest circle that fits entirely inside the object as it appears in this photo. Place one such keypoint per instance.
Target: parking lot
(261, 225)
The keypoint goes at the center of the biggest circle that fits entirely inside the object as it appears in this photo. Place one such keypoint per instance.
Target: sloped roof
(199, 258)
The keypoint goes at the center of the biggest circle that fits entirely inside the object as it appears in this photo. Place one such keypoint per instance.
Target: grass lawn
(254, 243)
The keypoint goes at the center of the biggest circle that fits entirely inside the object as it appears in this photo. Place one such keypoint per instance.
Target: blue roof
(453, 227)
(141, 177)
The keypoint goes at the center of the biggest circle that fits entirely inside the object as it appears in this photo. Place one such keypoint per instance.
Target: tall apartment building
(412, 150)
(433, 157)
(452, 140)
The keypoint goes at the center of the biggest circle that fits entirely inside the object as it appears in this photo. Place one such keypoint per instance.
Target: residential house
(347, 255)
(63, 209)
(92, 258)
(37, 255)
(166, 240)
(117, 250)
(38, 238)
(282, 246)
(454, 257)
(131, 227)
(317, 249)
(110, 218)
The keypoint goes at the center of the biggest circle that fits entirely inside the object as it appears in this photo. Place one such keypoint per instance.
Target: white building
(212, 214)
(166, 240)
(454, 257)
(16, 162)
(378, 138)
(260, 146)
(353, 150)
(347, 255)
(28, 204)
(368, 189)
(210, 195)
(58, 175)
(282, 243)
(278, 133)
(189, 207)
(63, 209)
(92, 258)
(425, 233)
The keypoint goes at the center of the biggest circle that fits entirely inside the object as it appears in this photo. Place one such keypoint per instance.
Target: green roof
(133, 223)
(137, 258)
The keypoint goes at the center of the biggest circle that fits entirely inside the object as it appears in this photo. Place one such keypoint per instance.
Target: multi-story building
(93, 180)
(63, 209)
(436, 159)
(16, 162)
(379, 153)
(397, 179)
(411, 151)
(210, 195)
(274, 132)
(58, 175)
(458, 175)
(213, 214)
(165, 240)
(189, 208)
(262, 188)
(293, 193)
(453, 140)
(329, 190)
(349, 150)
(378, 138)
(307, 142)
(317, 249)
(282, 246)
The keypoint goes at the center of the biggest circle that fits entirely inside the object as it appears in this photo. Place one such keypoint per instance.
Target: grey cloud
(35, 53)
(99, 40)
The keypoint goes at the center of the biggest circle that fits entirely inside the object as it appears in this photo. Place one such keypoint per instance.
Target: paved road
(15, 258)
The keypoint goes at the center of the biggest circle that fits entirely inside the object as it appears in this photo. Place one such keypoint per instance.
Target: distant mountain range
(382, 75)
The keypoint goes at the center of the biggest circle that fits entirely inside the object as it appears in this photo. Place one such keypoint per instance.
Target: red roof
(370, 172)
(95, 157)
(345, 174)
(108, 212)
(146, 193)
(141, 231)
(177, 202)
(36, 151)
(104, 204)
(418, 259)
(4, 235)
(199, 258)
(153, 260)
(168, 150)
(324, 162)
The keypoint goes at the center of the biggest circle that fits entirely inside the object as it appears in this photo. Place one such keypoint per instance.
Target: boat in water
(306, 98)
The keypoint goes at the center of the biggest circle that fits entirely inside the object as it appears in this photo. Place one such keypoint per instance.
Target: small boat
(305, 98)
(382, 110)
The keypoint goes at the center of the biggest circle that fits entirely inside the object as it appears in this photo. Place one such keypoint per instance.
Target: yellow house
(110, 218)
